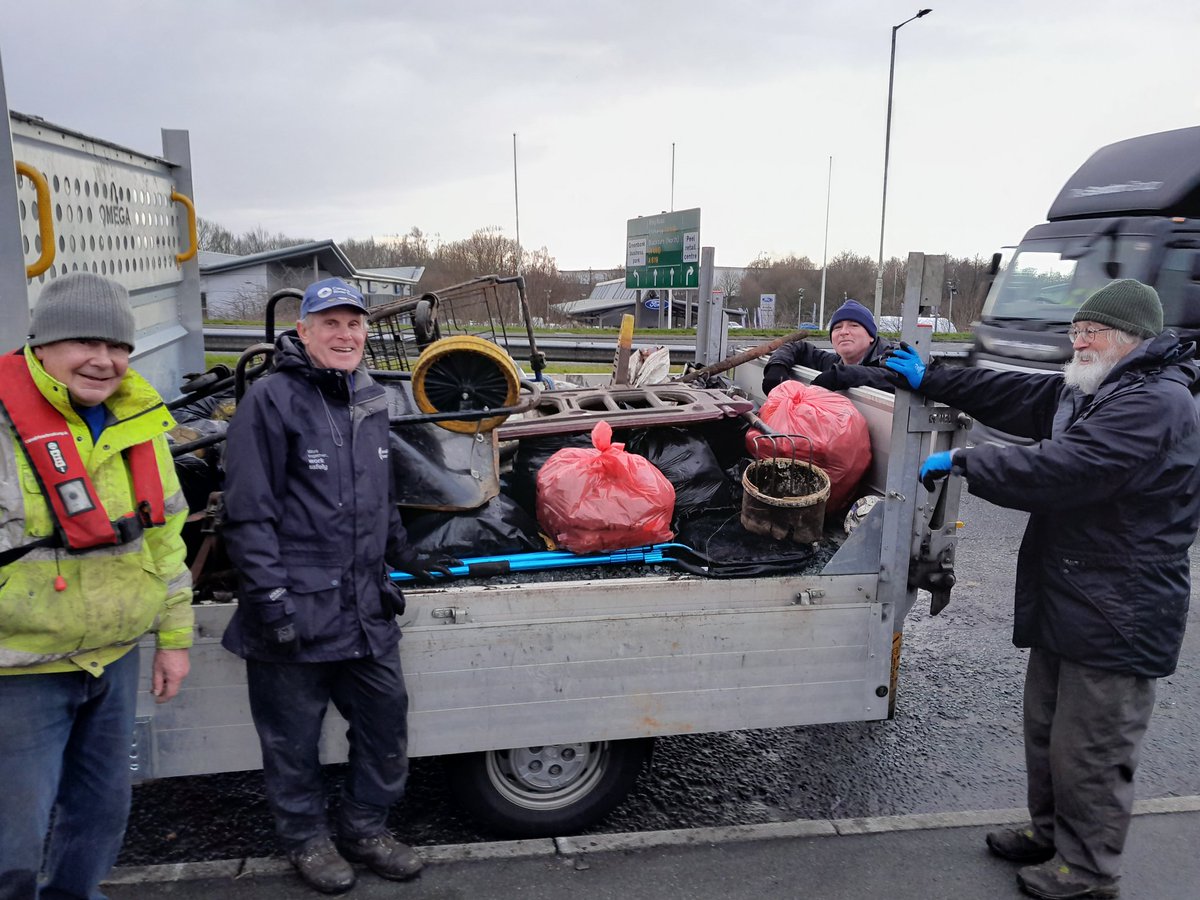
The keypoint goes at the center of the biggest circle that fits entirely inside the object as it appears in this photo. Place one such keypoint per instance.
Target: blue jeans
(64, 747)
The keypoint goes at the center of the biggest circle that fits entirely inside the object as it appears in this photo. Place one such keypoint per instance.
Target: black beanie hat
(1126, 304)
(853, 311)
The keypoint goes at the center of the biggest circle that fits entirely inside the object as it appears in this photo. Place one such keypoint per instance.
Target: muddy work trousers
(288, 702)
(1083, 735)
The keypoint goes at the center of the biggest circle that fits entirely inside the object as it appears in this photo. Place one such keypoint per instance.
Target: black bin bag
(498, 528)
(688, 462)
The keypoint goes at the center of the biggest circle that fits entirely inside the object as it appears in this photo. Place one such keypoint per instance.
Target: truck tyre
(546, 791)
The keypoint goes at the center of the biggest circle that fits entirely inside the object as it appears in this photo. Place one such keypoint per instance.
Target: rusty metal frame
(566, 412)
(483, 307)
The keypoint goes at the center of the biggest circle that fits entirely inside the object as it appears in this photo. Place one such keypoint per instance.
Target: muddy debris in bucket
(785, 499)
(787, 480)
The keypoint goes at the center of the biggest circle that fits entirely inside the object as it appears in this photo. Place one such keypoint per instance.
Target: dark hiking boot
(1018, 845)
(319, 864)
(383, 855)
(1055, 880)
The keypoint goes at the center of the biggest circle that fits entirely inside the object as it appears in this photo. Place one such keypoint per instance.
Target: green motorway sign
(663, 252)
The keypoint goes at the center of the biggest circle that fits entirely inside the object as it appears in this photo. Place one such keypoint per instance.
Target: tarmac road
(954, 745)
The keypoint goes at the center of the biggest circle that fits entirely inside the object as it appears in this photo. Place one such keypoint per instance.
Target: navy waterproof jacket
(801, 353)
(1113, 492)
(308, 509)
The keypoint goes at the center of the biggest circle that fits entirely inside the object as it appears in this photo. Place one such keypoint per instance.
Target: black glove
(284, 635)
(775, 374)
(392, 598)
(430, 569)
(842, 378)
(278, 618)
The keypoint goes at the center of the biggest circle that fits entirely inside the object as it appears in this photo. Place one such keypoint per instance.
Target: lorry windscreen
(1040, 283)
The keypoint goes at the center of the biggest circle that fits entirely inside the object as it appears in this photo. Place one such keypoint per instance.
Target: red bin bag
(840, 443)
(590, 500)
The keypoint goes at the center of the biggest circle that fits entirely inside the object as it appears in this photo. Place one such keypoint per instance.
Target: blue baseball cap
(331, 292)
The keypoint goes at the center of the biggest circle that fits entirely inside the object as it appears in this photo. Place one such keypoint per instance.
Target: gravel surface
(955, 743)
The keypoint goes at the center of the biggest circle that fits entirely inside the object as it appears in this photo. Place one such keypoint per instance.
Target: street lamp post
(887, 149)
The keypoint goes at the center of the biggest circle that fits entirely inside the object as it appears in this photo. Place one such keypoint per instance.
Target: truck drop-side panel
(544, 664)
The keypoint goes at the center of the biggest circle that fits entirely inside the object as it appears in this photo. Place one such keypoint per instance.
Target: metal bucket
(784, 498)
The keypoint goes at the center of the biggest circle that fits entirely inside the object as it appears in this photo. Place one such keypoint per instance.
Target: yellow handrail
(45, 220)
(194, 241)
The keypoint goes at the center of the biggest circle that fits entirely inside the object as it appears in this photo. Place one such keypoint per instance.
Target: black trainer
(1018, 845)
(1055, 880)
(322, 867)
(383, 855)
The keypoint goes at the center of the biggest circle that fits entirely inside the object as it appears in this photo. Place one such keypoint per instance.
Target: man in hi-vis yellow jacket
(91, 559)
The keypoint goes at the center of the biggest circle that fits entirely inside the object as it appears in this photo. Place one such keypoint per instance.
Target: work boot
(319, 864)
(1018, 845)
(383, 855)
(1055, 880)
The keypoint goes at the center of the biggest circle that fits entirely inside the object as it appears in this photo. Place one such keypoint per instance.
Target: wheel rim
(547, 777)
(464, 373)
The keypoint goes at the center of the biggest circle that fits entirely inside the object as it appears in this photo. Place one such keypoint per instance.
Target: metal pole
(672, 176)
(708, 319)
(887, 149)
(14, 293)
(825, 252)
(516, 202)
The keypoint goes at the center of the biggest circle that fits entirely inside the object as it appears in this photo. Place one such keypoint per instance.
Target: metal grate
(491, 307)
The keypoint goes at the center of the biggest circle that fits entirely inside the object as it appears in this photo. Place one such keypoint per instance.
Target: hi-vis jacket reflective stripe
(114, 593)
(79, 515)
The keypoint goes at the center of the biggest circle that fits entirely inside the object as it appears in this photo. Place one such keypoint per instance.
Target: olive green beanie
(82, 306)
(1126, 304)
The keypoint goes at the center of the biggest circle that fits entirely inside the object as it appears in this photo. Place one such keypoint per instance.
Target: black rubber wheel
(425, 322)
(546, 791)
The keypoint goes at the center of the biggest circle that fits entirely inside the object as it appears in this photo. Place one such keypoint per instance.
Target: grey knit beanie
(1126, 304)
(82, 306)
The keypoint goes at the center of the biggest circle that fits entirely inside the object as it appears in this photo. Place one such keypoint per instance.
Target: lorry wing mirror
(1112, 268)
(995, 266)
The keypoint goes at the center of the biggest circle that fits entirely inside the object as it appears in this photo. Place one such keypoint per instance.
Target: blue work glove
(936, 467)
(905, 362)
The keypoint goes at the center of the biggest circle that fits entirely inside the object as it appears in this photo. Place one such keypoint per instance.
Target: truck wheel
(546, 791)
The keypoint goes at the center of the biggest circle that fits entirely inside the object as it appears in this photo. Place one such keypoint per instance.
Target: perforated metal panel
(111, 209)
(112, 214)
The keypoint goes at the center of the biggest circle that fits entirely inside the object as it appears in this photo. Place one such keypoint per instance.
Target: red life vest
(79, 517)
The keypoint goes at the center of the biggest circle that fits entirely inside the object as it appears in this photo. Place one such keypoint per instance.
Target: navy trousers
(288, 703)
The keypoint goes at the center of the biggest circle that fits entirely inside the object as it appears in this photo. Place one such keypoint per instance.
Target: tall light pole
(825, 252)
(887, 149)
(517, 203)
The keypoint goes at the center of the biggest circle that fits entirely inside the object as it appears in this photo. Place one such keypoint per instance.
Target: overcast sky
(352, 119)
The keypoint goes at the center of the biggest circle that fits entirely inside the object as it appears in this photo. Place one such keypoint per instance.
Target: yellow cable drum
(462, 373)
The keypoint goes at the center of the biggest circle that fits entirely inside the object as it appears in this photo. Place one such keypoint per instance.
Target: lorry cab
(1132, 210)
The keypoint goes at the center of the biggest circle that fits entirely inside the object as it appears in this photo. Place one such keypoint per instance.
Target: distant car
(941, 326)
(735, 325)
(809, 326)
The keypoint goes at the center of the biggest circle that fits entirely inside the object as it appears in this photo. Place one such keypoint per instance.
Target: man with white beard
(1112, 487)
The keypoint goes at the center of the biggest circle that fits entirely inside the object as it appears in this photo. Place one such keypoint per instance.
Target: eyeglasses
(1088, 334)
